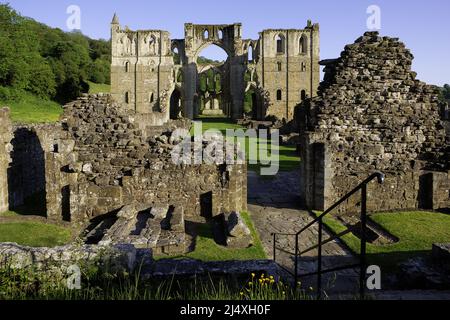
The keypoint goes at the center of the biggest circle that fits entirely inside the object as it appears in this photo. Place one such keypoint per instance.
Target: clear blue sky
(424, 26)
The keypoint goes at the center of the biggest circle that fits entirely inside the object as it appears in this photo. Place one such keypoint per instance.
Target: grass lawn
(31, 109)
(35, 234)
(289, 159)
(416, 231)
(99, 87)
(207, 249)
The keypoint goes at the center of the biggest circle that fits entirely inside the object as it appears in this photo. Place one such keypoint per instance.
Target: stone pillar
(5, 149)
(190, 89)
(237, 88)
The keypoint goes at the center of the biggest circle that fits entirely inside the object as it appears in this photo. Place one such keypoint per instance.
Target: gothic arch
(303, 44)
(280, 41)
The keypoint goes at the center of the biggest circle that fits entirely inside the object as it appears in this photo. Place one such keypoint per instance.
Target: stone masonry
(373, 114)
(159, 77)
(104, 162)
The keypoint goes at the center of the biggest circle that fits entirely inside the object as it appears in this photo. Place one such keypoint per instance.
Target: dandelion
(242, 293)
(253, 275)
(311, 288)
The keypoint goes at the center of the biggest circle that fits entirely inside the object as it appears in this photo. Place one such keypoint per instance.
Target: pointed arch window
(279, 95)
(303, 44)
(302, 95)
(280, 43)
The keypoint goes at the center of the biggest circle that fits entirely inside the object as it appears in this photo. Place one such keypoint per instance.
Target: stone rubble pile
(373, 111)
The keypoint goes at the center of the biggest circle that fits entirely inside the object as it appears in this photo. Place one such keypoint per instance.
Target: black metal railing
(319, 220)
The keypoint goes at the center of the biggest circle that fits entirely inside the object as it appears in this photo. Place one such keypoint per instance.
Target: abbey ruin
(106, 166)
(160, 77)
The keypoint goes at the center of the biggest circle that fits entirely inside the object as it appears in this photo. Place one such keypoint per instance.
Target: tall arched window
(303, 44)
(279, 66)
(302, 95)
(127, 66)
(176, 56)
(205, 34)
(280, 43)
(279, 96)
(152, 97)
(152, 45)
(220, 34)
(127, 97)
(250, 53)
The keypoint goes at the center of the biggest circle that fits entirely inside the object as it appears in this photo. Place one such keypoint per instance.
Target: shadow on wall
(26, 174)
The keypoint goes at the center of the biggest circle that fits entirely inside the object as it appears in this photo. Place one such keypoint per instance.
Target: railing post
(274, 245)
(296, 261)
(319, 262)
(362, 257)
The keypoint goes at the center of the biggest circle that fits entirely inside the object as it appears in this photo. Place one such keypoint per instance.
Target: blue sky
(424, 26)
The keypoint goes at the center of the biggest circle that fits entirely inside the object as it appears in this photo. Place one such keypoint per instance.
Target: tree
(47, 61)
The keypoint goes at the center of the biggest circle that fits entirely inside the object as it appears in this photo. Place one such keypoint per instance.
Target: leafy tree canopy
(46, 61)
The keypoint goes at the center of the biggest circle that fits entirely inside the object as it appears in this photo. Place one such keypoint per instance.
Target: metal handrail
(362, 256)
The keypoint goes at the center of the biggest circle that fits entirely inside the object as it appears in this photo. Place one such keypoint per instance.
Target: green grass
(29, 284)
(206, 249)
(31, 109)
(288, 157)
(99, 87)
(34, 234)
(416, 231)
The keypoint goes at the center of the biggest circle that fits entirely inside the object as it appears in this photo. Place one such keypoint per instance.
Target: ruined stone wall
(5, 148)
(294, 70)
(142, 76)
(104, 161)
(372, 114)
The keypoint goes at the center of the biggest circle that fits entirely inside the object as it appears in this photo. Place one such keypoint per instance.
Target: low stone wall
(107, 159)
(121, 257)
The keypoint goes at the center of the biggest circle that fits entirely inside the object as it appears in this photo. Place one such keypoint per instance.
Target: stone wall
(104, 161)
(372, 114)
(146, 78)
(294, 71)
(5, 149)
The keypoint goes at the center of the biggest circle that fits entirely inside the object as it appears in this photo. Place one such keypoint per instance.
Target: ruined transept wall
(372, 114)
(283, 63)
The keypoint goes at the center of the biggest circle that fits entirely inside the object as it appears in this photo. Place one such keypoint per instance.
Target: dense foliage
(47, 62)
(445, 93)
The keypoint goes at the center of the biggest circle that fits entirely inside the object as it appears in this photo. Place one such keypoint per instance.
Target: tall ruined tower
(288, 67)
(142, 71)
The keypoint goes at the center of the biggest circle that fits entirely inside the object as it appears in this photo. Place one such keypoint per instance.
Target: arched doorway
(175, 104)
(212, 88)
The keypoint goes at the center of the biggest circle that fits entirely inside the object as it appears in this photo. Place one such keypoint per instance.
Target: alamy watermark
(373, 21)
(73, 22)
(257, 147)
(373, 281)
(73, 280)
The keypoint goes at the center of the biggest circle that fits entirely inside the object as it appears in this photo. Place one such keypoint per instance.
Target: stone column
(5, 149)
